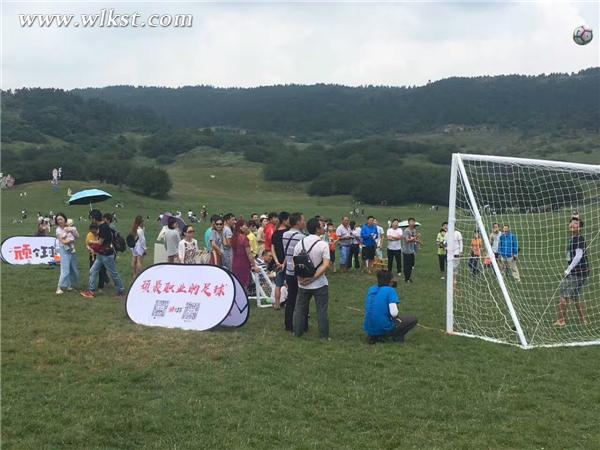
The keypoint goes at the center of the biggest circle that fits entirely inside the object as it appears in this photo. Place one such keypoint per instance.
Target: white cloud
(261, 44)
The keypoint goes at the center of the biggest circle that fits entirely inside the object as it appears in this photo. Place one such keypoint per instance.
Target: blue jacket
(377, 310)
(366, 232)
(509, 245)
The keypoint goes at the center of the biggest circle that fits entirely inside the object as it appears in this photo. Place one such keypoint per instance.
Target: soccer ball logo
(583, 35)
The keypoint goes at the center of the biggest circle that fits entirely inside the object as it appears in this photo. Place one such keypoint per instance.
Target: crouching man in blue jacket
(382, 320)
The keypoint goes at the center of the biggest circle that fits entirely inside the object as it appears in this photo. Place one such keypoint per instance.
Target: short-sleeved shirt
(318, 253)
(495, 238)
(172, 239)
(269, 230)
(253, 244)
(217, 238)
(378, 320)
(343, 232)
(207, 236)
(227, 234)
(409, 247)
(397, 233)
(290, 239)
(277, 242)
(581, 270)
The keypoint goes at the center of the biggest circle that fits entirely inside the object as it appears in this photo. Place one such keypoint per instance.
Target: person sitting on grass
(382, 320)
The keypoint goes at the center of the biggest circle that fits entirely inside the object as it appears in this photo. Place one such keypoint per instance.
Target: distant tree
(151, 181)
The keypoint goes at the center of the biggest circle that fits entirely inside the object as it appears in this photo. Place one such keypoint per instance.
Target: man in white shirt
(458, 251)
(317, 285)
(394, 247)
(344, 234)
(379, 251)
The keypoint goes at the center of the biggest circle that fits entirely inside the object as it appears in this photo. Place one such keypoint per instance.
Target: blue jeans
(69, 274)
(345, 256)
(107, 261)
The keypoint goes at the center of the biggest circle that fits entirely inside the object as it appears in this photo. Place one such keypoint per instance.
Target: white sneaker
(69, 289)
(443, 278)
(59, 291)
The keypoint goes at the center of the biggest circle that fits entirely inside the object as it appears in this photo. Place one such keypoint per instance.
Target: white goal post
(515, 287)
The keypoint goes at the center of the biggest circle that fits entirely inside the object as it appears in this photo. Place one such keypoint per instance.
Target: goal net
(507, 287)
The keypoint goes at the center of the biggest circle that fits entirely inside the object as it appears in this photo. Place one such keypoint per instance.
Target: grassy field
(76, 373)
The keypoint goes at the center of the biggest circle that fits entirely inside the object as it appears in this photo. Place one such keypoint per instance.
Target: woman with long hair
(243, 261)
(216, 242)
(69, 274)
(139, 250)
(188, 247)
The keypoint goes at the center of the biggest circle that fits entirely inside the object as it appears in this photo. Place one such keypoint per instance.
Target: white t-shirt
(397, 233)
(379, 236)
(495, 237)
(344, 232)
(318, 253)
(458, 242)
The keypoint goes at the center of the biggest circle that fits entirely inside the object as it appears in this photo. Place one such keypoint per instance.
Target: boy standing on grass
(382, 319)
(576, 275)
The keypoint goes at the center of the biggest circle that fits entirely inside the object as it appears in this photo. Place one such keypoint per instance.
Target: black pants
(321, 296)
(290, 303)
(442, 263)
(354, 255)
(409, 262)
(391, 254)
(403, 324)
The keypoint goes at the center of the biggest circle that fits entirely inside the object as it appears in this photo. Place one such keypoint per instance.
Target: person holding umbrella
(105, 257)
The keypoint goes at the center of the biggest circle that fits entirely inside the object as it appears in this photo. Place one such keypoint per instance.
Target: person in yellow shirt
(252, 225)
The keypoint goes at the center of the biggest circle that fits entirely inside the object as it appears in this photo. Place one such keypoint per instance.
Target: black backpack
(131, 240)
(303, 265)
(118, 242)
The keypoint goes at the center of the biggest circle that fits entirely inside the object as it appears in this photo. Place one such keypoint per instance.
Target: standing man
(344, 234)
(316, 285)
(409, 248)
(495, 238)
(105, 257)
(272, 220)
(229, 224)
(441, 248)
(458, 253)
(208, 232)
(394, 247)
(289, 240)
(369, 236)
(278, 253)
(576, 275)
(508, 249)
(380, 236)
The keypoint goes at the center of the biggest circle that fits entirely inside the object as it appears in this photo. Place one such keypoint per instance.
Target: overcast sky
(251, 44)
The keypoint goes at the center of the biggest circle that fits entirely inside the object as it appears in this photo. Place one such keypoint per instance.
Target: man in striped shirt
(289, 240)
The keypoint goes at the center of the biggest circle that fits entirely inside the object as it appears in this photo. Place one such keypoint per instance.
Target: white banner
(191, 297)
(29, 249)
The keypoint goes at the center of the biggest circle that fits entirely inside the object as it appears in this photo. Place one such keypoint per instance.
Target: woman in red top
(243, 262)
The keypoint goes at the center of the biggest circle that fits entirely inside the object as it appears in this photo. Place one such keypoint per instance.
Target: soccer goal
(508, 287)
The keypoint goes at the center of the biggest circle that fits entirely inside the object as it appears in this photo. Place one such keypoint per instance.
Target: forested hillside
(543, 102)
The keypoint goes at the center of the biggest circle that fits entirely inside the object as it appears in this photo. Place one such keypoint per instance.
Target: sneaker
(69, 289)
(120, 294)
(442, 278)
(59, 291)
(88, 294)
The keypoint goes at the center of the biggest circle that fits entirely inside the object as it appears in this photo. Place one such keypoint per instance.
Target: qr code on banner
(160, 308)
(191, 311)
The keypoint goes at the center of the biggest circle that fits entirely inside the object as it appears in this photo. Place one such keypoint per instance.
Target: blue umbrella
(89, 196)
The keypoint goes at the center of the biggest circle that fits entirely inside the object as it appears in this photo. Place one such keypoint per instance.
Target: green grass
(76, 373)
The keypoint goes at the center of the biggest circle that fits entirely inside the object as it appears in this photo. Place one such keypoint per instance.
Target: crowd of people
(299, 253)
